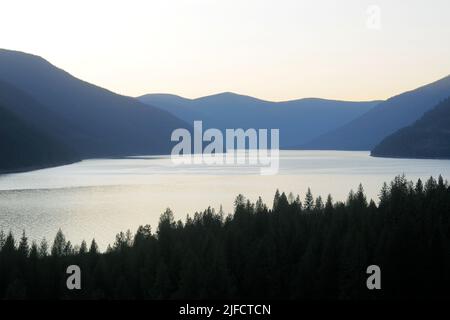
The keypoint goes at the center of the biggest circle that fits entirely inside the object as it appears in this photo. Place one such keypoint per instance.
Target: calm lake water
(99, 198)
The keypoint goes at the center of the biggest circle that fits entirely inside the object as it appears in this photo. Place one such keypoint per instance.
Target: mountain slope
(22, 144)
(24, 147)
(32, 112)
(299, 120)
(94, 122)
(428, 137)
(369, 129)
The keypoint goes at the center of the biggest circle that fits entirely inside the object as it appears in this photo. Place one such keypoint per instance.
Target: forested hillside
(298, 249)
(428, 137)
(368, 130)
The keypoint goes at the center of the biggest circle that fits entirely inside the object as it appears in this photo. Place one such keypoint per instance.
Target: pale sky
(271, 49)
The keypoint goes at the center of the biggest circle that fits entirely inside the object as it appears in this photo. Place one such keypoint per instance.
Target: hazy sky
(274, 49)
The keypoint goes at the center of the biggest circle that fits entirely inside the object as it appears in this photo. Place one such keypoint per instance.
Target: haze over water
(99, 198)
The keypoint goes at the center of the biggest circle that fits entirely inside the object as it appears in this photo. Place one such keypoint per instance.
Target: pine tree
(276, 198)
(10, 245)
(167, 220)
(43, 248)
(260, 207)
(360, 197)
(129, 238)
(384, 194)
(441, 183)
(59, 244)
(309, 201)
(144, 233)
(298, 203)
(430, 185)
(120, 242)
(93, 250)
(23, 245)
(2, 239)
(419, 187)
(34, 252)
(282, 203)
(68, 249)
(329, 204)
(319, 203)
(83, 247)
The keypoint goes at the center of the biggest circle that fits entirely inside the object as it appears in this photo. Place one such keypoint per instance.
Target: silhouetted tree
(59, 244)
(309, 200)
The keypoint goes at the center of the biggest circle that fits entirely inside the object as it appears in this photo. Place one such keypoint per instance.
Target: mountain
(366, 131)
(22, 145)
(27, 109)
(88, 119)
(298, 120)
(428, 137)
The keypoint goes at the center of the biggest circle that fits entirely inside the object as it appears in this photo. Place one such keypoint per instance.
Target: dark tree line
(299, 249)
(428, 137)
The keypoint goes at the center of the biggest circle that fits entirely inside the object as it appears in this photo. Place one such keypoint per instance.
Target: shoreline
(35, 168)
(406, 157)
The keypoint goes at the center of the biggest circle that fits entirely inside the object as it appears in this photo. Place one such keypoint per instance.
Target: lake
(99, 198)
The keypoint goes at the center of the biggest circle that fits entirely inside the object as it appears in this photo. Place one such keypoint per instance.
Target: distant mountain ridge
(366, 131)
(298, 120)
(92, 121)
(428, 137)
(71, 119)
